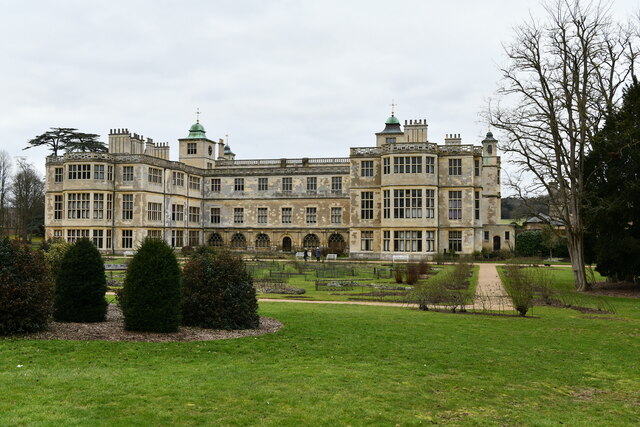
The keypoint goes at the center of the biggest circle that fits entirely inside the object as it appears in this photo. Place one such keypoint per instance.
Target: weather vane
(393, 105)
(198, 115)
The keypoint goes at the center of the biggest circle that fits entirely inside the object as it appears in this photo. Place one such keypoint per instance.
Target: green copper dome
(196, 131)
(392, 120)
(391, 126)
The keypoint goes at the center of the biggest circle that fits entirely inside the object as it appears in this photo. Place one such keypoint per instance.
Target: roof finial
(198, 115)
(393, 105)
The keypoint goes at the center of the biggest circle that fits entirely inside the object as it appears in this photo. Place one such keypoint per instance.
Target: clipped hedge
(81, 285)
(26, 290)
(530, 243)
(218, 292)
(150, 297)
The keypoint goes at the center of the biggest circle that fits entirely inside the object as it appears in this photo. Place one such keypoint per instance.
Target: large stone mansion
(405, 195)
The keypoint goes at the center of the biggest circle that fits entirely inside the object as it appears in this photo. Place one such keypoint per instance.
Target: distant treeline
(516, 208)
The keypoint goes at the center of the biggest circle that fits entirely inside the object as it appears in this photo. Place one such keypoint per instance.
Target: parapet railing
(283, 162)
(429, 147)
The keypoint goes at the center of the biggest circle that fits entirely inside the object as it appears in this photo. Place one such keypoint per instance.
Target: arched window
(490, 149)
(215, 240)
(238, 241)
(336, 242)
(263, 241)
(311, 241)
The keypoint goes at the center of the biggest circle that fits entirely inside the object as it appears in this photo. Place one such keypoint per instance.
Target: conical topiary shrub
(150, 297)
(81, 285)
(218, 292)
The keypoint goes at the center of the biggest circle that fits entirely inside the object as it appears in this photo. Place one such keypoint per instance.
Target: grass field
(561, 283)
(344, 365)
(337, 365)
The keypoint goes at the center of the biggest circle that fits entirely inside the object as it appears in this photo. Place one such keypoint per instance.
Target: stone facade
(404, 196)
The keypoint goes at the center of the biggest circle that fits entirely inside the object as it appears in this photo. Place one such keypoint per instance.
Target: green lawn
(561, 280)
(341, 365)
(563, 277)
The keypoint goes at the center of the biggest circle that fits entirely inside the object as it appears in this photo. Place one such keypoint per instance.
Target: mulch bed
(615, 289)
(113, 330)
(559, 304)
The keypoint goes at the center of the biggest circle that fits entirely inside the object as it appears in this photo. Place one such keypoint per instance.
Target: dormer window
(192, 148)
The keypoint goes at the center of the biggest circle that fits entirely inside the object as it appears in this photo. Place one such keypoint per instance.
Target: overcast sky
(281, 78)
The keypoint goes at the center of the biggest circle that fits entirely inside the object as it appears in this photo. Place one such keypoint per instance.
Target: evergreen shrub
(530, 243)
(26, 291)
(218, 292)
(150, 297)
(80, 285)
(54, 254)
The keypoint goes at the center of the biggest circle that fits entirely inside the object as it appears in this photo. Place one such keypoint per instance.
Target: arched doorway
(238, 241)
(215, 240)
(286, 244)
(336, 243)
(496, 243)
(311, 241)
(263, 241)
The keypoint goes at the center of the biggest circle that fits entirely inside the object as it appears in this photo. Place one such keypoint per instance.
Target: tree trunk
(575, 245)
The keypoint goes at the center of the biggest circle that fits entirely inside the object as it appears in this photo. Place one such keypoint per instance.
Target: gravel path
(490, 294)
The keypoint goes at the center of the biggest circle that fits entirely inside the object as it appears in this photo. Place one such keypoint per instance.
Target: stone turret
(228, 154)
(489, 145)
(196, 149)
(392, 132)
(491, 179)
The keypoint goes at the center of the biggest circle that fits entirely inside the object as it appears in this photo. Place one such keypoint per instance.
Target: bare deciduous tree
(5, 180)
(562, 78)
(27, 192)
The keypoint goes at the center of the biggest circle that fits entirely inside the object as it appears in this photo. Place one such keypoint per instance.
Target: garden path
(490, 293)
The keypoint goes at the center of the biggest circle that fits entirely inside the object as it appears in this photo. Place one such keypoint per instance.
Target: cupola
(489, 145)
(196, 131)
(392, 126)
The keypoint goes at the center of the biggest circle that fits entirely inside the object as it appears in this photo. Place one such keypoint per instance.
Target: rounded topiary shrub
(80, 285)
(150, 297)
(218, 292)
(26, 289)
